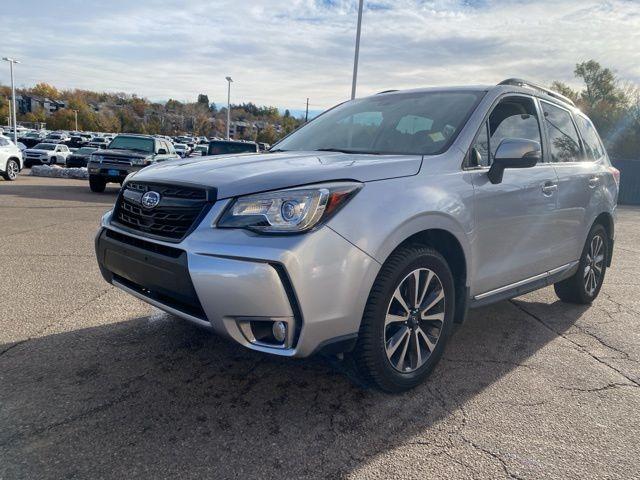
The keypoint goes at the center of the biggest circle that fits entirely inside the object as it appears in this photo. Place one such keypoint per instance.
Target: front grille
(117, 160)
(180, 210)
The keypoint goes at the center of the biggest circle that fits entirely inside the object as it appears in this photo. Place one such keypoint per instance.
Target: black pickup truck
(125, 154)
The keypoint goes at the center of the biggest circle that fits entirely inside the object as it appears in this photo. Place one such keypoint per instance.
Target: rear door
(514, 219)
(579, 179)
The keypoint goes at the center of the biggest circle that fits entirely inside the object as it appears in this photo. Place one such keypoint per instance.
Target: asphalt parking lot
(96, 384)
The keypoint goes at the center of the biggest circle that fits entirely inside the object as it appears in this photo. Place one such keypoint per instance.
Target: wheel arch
(453, 250)
(606, 220)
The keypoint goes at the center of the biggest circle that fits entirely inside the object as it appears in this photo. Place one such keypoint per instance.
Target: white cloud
(280, 52)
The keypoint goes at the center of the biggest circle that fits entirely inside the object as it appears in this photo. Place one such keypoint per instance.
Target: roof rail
(387, 91)
(525, 83)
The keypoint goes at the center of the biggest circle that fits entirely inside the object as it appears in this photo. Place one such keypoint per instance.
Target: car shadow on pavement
(158, 398)
(63, 193)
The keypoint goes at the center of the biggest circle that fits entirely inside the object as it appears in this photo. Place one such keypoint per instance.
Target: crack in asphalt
(14, 345)
(577, 345)
(50, 325)
(70, 419)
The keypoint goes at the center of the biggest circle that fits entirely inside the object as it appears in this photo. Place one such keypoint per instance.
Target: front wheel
(584, 286)
(12, 170)
(97, 184)
(407, 320)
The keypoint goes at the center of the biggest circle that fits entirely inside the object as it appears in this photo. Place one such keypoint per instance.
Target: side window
(592, 145)
(563, 137)
(513, 117)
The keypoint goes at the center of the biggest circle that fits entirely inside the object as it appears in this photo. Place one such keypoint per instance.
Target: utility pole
(357, 54)
(306, 115)
(75, 112)
(229, 81)
(12, 61)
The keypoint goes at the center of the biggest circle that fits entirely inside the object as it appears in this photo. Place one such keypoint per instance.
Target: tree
(203, 100)
(267, 135)
(45, 90)
(600, 85)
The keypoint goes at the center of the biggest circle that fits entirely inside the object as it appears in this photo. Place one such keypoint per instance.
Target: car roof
(512, 85)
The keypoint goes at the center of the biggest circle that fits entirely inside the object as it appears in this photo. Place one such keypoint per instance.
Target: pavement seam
(47, 327)
(577, 345)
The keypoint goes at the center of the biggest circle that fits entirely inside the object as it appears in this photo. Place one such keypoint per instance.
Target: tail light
(616, 175)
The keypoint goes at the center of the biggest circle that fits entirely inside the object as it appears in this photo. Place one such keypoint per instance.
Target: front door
(515, 219)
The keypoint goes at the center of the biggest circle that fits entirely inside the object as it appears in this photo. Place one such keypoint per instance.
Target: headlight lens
(97, 158)
(288, 211)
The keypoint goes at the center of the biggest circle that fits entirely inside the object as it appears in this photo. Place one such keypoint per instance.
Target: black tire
(574, 289)
(97, 184)
(53, 161)
(13, 167)
(370, 354)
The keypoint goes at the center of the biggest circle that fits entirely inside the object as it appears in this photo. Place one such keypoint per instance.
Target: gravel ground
(96, 384)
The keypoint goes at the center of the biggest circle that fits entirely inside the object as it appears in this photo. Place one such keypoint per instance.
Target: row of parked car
(108, 157)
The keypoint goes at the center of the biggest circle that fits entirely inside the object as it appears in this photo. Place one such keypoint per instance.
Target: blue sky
(281, 51)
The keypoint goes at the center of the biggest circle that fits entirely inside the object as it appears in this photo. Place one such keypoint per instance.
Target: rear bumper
(316, 283)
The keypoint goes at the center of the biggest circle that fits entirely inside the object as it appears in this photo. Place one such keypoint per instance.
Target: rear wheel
(584, 286)
(97, 184)
(12, 170)
(407, 320)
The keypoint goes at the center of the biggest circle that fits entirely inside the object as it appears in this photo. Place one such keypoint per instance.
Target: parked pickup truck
(46, 154)
(126, 154)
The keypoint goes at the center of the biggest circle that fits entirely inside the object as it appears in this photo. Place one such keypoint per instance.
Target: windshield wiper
(278, 150)
(344, 150)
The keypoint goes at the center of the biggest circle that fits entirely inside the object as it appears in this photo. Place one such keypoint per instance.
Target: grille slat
(179, 210)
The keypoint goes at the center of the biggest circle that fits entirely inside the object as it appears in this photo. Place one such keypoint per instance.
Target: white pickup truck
(46, 154)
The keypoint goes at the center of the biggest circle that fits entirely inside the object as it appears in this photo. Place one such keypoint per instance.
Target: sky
(279, 52)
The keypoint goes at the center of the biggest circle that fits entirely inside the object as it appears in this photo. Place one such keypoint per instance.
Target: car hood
(37, 150)
(234, 175)
(116, 152)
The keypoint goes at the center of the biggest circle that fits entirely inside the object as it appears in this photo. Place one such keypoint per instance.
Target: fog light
(279, 331)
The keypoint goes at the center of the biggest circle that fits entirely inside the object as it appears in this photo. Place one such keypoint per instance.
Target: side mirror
(162, 151)
(514, 153)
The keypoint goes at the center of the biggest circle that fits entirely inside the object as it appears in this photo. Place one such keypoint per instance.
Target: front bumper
(317, 283)
(112, 172)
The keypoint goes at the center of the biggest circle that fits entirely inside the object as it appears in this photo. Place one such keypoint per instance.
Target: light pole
(355, 60)
(229, 81)
(75, 113)
(13, 98)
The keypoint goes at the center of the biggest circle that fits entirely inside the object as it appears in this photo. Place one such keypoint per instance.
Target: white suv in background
(10, 159)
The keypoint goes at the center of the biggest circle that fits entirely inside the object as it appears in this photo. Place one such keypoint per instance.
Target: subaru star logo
(150, 199)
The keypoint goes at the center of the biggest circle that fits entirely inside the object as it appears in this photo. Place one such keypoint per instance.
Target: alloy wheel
(12, 170)
(414, 320)
(594, 263)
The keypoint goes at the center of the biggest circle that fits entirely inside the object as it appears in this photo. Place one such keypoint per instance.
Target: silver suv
(373, 229)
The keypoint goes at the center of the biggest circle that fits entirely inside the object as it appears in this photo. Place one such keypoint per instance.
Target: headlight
(97, 158)
(140, 161)
(288, 211)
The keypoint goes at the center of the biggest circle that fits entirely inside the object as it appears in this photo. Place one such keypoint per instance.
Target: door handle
(548, 188)
(594, 182)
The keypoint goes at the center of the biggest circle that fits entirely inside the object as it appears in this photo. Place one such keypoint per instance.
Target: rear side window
(592, 144)
(563, 137)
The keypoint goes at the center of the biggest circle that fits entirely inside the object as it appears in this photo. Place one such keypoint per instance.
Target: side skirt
(524, 286)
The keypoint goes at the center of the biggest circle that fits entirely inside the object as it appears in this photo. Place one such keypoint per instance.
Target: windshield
(222, 148)
(420, 123)
(86, 150)
(139, 144)
(45, 146)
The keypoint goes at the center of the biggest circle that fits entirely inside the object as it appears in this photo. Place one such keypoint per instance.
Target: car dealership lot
(96, 384)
